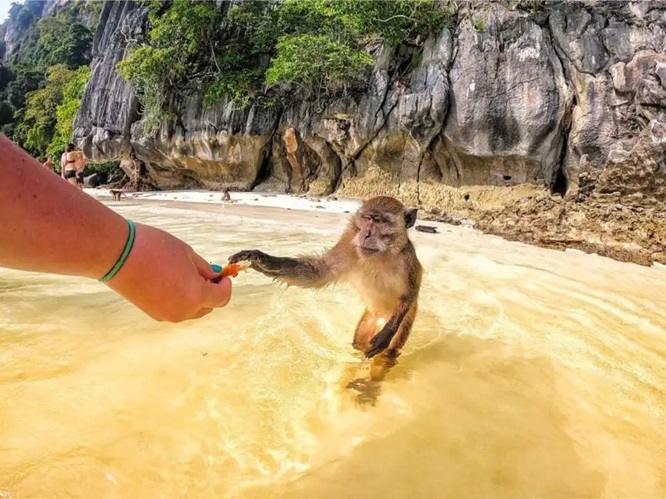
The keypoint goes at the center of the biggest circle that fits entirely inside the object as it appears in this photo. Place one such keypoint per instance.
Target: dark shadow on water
(368, 375)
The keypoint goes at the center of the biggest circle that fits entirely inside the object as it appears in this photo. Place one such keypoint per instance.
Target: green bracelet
(128, 247)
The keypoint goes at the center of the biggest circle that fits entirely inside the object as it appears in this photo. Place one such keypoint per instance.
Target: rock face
(509, 103)
(109, 105)
(570, 96)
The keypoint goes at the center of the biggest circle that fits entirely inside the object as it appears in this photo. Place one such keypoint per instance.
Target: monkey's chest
(380, 291)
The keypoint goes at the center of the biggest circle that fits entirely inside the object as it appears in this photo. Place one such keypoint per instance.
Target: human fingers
(203, 267)
(201, 313)
(217, 295)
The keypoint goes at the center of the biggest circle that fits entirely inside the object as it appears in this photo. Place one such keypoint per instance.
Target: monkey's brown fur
(116, 194)
(375, 254)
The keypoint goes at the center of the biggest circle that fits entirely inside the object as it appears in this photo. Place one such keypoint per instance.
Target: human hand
(167, 279)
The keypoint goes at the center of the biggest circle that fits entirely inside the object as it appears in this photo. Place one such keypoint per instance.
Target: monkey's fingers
(377, 344)
(246, 255)
(376, 350)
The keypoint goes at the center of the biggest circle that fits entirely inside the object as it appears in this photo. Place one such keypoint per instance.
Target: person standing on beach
(80, 165)
(49, 163)
(68, 164)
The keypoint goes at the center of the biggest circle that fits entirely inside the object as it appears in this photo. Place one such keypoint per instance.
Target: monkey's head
(380, 226)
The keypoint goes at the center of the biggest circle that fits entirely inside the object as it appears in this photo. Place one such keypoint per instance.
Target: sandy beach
(329, 204)
(277, 207)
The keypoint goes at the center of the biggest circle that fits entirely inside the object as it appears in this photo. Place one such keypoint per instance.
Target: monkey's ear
(410, 217)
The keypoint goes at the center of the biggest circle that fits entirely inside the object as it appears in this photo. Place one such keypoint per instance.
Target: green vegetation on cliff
(42, 80)
(270, 50)
(67, 109)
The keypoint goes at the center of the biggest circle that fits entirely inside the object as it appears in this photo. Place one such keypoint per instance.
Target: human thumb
(217, 295)
(206, 270)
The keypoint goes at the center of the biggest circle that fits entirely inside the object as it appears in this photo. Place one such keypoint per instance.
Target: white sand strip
(242, 198)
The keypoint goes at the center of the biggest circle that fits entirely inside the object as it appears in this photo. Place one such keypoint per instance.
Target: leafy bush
(268, 48)
(315, 65)
(40, 114)
(64, 42)
(102, 169)
(173, 55)
(35, 81)
(67, 109)
(47, 122)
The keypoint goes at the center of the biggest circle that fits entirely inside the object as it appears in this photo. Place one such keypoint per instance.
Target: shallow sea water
(529, 373)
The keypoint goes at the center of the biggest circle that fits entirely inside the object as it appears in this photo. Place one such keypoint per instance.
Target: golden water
(530, 373)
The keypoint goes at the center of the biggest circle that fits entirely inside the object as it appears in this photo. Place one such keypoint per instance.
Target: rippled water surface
(529, 373)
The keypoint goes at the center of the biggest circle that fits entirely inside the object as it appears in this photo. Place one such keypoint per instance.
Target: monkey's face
(381, 226)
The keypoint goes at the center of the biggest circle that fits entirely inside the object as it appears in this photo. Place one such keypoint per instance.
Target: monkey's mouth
(368, 251)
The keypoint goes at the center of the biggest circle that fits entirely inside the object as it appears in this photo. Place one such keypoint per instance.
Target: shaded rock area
(619, 212)
(539, 121)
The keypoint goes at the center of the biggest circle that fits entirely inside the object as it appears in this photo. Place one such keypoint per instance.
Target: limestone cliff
(567, 95)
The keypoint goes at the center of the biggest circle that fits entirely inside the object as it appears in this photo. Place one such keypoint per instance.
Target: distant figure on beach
(49, 163)
(68, 164)
(73, 163)
(80, 165)
(226, 197)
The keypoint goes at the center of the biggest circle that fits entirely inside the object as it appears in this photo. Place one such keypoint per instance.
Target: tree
(67, 109)
(180, 51)
(48, 46)
(40, 115)
(316, 65)
(317, 46)
(6, 77)
(6, 113)
(64, 41)
(25, 80)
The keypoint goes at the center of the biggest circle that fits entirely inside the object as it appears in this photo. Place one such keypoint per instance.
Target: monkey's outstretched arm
(305, 272)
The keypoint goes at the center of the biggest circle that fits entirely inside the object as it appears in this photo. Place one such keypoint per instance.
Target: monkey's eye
(367, 217)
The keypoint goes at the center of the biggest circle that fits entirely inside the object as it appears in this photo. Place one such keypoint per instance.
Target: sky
(4, 8)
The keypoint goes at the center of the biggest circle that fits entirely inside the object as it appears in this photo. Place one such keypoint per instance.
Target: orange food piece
(233, 269)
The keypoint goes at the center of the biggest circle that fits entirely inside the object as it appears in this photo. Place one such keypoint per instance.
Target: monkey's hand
(381, 340)
(259, 261)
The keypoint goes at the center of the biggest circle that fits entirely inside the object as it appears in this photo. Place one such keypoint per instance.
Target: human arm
(46, 226)
(80, 163)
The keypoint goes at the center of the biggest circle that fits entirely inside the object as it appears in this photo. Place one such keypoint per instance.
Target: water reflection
(529, 373)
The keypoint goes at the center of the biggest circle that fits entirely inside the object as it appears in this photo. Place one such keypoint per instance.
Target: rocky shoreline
(624, 228)
(607, 225)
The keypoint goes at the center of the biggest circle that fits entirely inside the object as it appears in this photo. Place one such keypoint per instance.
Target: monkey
(375, 254)
(116, 194)
(226, 196)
